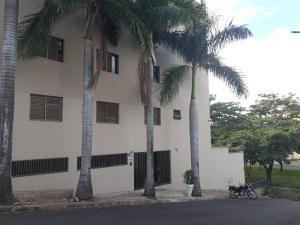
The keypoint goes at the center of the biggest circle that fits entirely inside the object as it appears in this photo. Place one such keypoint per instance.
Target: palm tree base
(84, 189)
(196, 190)
(6, 194)
(150, 192)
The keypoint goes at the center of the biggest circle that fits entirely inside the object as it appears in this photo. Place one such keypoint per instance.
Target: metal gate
(162, 168)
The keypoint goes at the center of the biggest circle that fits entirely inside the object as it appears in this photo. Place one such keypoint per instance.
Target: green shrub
(188, 177)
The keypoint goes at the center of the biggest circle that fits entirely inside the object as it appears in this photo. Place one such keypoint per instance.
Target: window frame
(106, 161)
(46, 53)
(106, 105)
(156, 74)
(155, 122)
(117, 63)
(180, 115)
(45, 108)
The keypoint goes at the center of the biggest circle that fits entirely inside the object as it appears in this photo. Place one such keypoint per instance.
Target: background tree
(268, 133)
(248, 142)
(275, 146)
(106, 16)
(198, 45)
(226, 119)
(273, 105)
(7, 96)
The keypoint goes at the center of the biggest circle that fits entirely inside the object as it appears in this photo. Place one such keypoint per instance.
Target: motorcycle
(242, 190)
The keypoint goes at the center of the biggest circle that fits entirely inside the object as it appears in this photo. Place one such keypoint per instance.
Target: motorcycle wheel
(233, 194)
(252, 194)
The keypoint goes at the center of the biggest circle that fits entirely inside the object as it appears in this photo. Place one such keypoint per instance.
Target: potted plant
(189, 183)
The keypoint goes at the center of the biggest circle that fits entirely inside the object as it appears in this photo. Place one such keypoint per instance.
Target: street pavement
(213, 212)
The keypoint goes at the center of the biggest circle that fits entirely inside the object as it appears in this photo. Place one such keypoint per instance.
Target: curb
(92, 204)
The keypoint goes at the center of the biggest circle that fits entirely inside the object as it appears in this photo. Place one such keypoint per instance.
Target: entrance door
(162, 168)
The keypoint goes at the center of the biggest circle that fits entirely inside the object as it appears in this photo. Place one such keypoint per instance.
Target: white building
(48, 111)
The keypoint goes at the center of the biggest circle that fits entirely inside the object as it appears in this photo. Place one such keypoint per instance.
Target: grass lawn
(287, 178)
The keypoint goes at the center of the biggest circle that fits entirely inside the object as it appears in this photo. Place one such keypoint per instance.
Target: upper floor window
(177, 114)
(111, 63)
(47, 108)
(54, 50)
(107, 112)
(156, 74)
(156, 116)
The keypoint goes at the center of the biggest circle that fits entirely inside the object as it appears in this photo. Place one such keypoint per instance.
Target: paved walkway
(59, 200)
(214, 212)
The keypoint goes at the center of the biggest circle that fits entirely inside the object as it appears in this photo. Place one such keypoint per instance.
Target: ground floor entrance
(162, 168)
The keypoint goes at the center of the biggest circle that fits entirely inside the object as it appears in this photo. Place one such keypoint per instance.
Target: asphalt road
(217, 212)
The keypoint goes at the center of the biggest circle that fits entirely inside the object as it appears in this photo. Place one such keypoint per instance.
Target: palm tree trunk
(149, 184)
(7, 96)
(194, 137)
(85, 189)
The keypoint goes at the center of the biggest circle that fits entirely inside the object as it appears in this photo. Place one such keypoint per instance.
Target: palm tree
(158, 16)
(198, 45)
(7, 95)
(107, 16)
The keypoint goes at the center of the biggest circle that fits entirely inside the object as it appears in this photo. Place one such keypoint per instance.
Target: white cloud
(269, 13)
(270, 64)
(232, 9)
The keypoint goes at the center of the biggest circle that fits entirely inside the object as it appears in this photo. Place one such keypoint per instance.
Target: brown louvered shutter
(101, 112)
(37, 107)
(53, 108)
(112, 113)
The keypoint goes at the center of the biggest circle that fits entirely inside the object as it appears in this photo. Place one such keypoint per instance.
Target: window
(156, 74)
(111, 63)
(54, 50)
(177, 114)
(39, 166)
(103, 161)
(46, 108)
(156, 116)
(107, 112)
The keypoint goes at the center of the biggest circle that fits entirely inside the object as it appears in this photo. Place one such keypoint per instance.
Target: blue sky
(284, 13)
(270, 60)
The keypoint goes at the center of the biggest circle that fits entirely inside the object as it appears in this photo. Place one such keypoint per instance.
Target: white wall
(36, 139)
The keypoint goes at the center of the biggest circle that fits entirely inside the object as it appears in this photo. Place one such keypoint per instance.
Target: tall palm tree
(107, 16)
(158, 16)
(7, 96)
(198, 45)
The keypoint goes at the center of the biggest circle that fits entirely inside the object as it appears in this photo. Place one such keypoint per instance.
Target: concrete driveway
(214, 212)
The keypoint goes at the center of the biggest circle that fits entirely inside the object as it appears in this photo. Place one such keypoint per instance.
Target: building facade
(48, 115)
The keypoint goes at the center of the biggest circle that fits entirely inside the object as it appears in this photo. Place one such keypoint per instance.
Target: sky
(270, 60)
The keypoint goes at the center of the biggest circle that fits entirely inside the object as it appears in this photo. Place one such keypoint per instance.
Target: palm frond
(127, 14)
(176, 13)
(230, 33)
(111, 29)
(172, 41)
(35, 30)
(172, 80)
(233, 78)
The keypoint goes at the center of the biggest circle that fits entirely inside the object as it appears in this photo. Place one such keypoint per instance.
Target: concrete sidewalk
(60, 200)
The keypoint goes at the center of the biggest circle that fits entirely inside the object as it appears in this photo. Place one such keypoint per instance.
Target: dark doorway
(162, 168)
